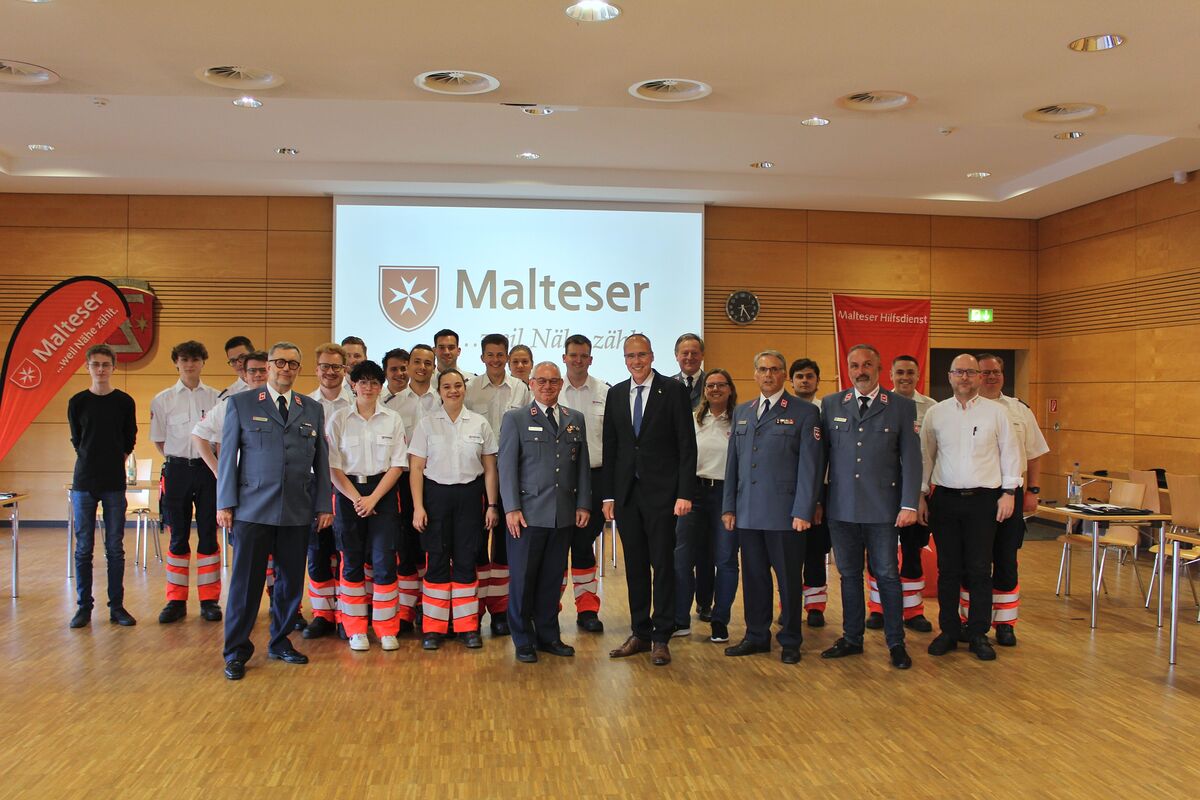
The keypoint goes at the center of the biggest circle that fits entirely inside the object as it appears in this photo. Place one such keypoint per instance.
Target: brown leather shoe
(633, 645)
(661, 654)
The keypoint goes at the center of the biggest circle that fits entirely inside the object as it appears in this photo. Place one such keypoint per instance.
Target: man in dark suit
(874, 484)
(773, 479)
(272, 448)
(545, 484)
(689, 354)
(648, 479)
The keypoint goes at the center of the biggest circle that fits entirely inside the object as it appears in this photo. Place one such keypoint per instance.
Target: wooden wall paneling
(1183, 243)
(1159, 408)
(735, 353)
(158, 360)
(756, 224)
(1049, 270)
(56, 409)
(191, 253)
(1098, 260)
(1160, 352)
(1101, 406)
(1152, 253)
(64, 210)
(1048, 232)
(1094, 450)
(992, 233)
(44, 447)
(307, 337)
(761, 263)
(1171, 453)
(1083, 357)
(1096, 219)
(51, 254)
(1167, 199)
(49, 500)
(300, 213)
(873, 268)
(852, 227)
(300, 255)
(980, 271)
(198, 213)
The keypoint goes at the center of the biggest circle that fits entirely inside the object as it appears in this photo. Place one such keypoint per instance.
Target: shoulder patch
(783, 402)
(846, 397)
(883, 398)
(262, 396)
(817, 432)
(299, 402)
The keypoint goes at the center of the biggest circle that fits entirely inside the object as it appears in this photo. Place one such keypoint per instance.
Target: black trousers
(1010, 535)
(454, 531)
(253, 543)
(964, 528)
(408, 539)
(583, 556)
(493, 547)
(536, 563)
(762, 552)
(816, 548)
(322, 552)
(647, 529)
(370, 540)
(913, 539)
(188, 486)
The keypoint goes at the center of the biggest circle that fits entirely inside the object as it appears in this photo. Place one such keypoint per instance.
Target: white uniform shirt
(758, 408)
(923, 405)
(490, 400)
(966, 448)
(344, 399)
(412, 406)
(1025, 427)
(366, 447)
(174, 412)
(589, 400)
(712, 445)
(237, 386)
(209, 429)
(453, 451)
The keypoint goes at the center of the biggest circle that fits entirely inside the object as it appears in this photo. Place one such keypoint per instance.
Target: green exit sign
(979, 315)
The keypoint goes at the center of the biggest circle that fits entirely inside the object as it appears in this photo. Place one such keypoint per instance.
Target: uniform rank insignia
(883, 398)
(262, 396)
(783, 402)
(817, 432)
(846, 399)
(572, 428)
(299, 402)
(785, 421)
(533, 411)
(259, 419)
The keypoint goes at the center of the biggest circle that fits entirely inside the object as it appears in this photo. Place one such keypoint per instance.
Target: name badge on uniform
(785, 421)
(741, 422)
(840, 419)
(475, 438)
(537, 428)
(260, 419)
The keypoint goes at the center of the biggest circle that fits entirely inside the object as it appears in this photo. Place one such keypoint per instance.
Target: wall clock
(742, 307)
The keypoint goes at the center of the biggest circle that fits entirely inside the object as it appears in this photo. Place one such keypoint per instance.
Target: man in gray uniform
(874, 483)
(545, 484)
(772, 483)
(272, 446)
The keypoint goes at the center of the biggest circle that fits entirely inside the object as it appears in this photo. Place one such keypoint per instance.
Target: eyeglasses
(548, 381)
(236, 360)
(990, 373)
(327, 367)
(256, 370)
(368, 384)
(768, 369)
(711, 386)
(283, 363)
(964, 373)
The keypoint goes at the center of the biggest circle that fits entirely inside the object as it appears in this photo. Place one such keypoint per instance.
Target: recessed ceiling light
(815, 122)
(1069, 135)
(287, 151)
(979, 174)
(592, 11)
(35, 2)
(1092, 44)
(1064, 112)
(537, 111)
(456, 81)
(100, 101)
(528, 156)
(877, 100)
(42, 148)
(670, 90)
(23, 74)
(246, 101)
(239, 77)
(763, 164)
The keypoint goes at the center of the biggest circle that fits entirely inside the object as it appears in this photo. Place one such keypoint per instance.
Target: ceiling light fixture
(42, 148)
(980, 174)
(246, 101)
(1094, 44)
(815, 122)
(877, 100)
(592, 11)
(287, 151)
(670, 90)
(537, 111)
(456, 81)
(528, 156)
(763, 164)
(1069, 135)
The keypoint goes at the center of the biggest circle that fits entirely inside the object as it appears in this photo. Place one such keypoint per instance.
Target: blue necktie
(637, 412)
(283, 407)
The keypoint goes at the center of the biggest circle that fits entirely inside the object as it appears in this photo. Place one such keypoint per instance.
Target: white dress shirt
(633, 393)
(345, 398)
(971, 447)
(774, 402)
(174, 412)
(1025, 427)
(492, 400)
(210, 428)
(589, 400)
(366, 447)
(712, 445)
(412, 406)
(237, 386)
(870, 397)
(453, 450)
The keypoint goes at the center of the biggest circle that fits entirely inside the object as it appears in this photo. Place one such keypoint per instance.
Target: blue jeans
(879, 540)
(84, 507)
(696, 540)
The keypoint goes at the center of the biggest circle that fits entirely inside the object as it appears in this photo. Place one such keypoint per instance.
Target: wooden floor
(146, 712)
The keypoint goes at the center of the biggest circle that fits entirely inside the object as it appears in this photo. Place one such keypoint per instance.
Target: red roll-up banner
(50, 343)
(894, 326)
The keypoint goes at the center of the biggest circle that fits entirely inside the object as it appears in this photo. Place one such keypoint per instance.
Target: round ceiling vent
(241, 78)
(21, 74)
(1064, 112)
(670, 90)
(456, 81)
(877, 100)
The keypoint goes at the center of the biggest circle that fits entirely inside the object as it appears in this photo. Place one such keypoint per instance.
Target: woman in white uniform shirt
(706, 555)
(367, 455)
(452, 465)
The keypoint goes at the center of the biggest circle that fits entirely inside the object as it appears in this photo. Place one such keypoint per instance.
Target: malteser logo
(27, 375)
(408, 295)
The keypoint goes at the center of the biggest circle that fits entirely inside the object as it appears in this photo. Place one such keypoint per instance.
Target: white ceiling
(350, 107)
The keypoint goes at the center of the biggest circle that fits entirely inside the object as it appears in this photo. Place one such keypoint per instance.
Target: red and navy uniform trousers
(816, 589)
(1006, 588)
(410, 558)
(323, 559)
(491, 567)
(451, 540)
(583, 571)
(363, 597)
(913, 539)
(187, 484)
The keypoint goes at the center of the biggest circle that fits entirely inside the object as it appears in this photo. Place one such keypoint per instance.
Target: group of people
(415, 496)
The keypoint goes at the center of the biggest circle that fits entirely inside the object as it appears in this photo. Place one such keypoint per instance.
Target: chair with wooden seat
(1123, 538)
(1185, 518)
(143, 505)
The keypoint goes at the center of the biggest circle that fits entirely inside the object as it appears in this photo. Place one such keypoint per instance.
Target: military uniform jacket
(545, 476)
(874, 460)
(775, 464)
(272, 472)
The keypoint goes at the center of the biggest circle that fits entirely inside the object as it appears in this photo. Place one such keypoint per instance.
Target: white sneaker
(360, 642)
(389, 643)
(682, 632)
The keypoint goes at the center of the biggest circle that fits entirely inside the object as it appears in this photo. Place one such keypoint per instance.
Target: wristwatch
(1034, 490)
(1009, 491)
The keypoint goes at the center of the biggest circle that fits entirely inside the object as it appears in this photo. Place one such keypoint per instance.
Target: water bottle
(1074, 488)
